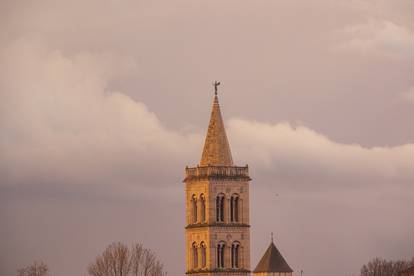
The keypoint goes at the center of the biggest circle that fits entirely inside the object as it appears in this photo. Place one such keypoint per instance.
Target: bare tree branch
(35, 269)
(119, 260)
(382, 267)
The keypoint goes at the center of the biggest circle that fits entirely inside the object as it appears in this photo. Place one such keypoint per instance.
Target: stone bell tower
(217, 208)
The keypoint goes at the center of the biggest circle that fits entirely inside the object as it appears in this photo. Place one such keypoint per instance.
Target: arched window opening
(194, 209)
(195, 255)
(202, 208)
(221, 247)
(234, 208)
(235, 248)
(203, 255)
(220, 208)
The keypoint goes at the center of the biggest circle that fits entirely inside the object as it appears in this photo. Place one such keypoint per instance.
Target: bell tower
(217, 208)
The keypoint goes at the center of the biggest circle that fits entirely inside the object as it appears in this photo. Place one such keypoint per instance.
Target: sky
(104, 103)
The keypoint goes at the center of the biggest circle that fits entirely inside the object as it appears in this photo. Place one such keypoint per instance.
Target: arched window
(221, 247)
(220, 208)
(202, 208)
(235, 253)
(203, 255)
(234, 208)
(194, 209)
(195, 255)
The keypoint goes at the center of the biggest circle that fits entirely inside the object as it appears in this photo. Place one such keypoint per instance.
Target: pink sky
(105, 102)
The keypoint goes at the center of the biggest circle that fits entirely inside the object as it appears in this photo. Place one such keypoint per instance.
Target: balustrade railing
(217, 171)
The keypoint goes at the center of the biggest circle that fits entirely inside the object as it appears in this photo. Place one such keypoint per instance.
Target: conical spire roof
(272, 261)
(216, 146)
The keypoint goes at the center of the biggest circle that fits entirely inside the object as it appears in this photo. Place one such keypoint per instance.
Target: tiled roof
(272, 261)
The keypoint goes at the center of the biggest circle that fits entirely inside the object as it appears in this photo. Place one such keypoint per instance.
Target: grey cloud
(62, 122)
(408, 95)
(300, 149)
(379, 37)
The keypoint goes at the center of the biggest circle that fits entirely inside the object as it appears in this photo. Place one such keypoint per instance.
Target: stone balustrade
(217, 172)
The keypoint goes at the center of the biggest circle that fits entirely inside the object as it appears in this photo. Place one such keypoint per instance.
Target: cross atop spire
(216, 150)
(215, 84)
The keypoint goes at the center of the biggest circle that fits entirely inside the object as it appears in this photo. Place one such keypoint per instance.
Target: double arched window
(203, 255)
(195, 255)
(235, 253)
(220, 208)
(234, 208)
(202, 208)
(194, 209)
(197, 251)
(198, 209)
(221, 247)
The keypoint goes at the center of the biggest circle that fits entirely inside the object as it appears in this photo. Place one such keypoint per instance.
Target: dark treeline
(116, 260)
(382, 267)
(120, 260)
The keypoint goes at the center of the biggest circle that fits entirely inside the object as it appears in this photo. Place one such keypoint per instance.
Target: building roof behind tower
(272, 261)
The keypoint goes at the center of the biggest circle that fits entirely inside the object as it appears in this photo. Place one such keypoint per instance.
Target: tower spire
(216, 146)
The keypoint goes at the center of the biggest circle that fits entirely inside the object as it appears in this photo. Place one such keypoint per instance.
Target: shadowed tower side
(217, 208)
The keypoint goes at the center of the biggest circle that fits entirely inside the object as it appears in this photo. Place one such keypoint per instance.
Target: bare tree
(382, 267)
(35, 269)
(119, 260)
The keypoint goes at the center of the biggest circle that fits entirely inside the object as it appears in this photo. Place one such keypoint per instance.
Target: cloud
(67, 134)
(62, 124)
(408, 95)
(379, 37)
(290, 151)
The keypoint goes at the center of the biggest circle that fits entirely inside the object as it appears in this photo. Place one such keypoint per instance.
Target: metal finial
(215, 84)
(271, 237)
